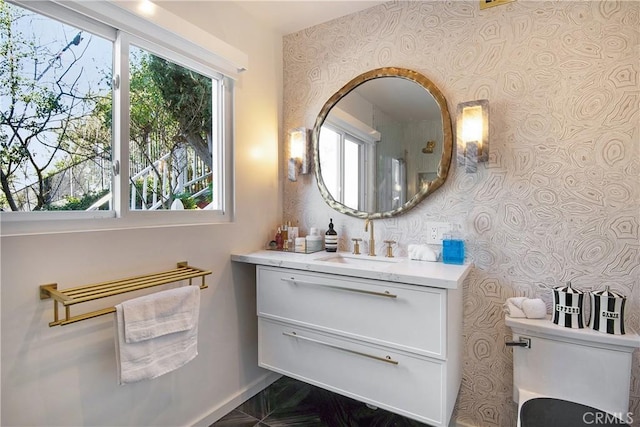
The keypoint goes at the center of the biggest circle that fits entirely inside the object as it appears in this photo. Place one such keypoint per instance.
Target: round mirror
(382, 143)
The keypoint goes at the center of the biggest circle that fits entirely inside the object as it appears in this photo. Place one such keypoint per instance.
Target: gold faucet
(389, 248)
(356, 246)
(372, 242)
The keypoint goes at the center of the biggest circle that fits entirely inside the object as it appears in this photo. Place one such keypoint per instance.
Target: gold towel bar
(80, 294)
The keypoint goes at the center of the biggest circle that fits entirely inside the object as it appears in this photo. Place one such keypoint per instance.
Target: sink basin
(360, 260)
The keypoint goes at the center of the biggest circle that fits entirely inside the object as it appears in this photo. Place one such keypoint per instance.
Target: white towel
(513, 307)
(534, 308)
(156, 356)
(525, 307)
(422, 253)
(160, 313)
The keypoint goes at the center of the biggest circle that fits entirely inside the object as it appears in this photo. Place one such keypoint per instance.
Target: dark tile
(289, 403)
(382, 418)
(287, 392)
(303, 416)
(338, 410)
(334, 409)
(236, 418)
(258, 406)
(284, 393)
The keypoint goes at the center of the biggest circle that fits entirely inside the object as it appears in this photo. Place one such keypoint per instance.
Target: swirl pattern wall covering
(559, 198)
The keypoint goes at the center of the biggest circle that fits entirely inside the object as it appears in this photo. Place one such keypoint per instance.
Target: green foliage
(186, 94)
(150, 116)
(78, 203)
(139, 188)
(187, 200)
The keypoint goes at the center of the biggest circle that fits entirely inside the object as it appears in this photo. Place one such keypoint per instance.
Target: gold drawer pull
(386, 294)
(386, 359)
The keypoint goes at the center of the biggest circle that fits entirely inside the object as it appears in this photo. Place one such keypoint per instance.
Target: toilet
(570, 377)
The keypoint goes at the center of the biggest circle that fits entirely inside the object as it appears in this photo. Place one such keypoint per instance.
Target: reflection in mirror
(382, 143)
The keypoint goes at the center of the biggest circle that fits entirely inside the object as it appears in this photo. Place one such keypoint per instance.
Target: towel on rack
(160, 313)
(168, 349)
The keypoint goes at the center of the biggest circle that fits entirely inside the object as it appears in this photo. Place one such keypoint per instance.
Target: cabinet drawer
(408, 385)
(408, 317)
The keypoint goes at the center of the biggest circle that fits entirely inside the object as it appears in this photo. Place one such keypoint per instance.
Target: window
(352, 175)
(342, 161)
(105, 123)
(171, 133)
(55, 139)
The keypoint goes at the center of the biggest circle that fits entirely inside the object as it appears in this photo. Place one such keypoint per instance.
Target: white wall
(67, 375)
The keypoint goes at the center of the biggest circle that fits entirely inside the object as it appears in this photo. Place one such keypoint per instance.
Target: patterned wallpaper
(559, 198)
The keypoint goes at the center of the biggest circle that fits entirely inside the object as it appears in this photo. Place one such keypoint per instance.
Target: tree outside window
(56, 122)
(55, 151)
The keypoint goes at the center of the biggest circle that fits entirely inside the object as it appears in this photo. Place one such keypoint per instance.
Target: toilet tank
(578, 365)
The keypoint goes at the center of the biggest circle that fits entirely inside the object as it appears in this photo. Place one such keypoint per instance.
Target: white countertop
(399, 269)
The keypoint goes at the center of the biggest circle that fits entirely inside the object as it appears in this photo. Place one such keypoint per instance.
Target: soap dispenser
(331, 238)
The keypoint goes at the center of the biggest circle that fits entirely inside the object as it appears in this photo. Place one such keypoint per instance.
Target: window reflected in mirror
(341, 157)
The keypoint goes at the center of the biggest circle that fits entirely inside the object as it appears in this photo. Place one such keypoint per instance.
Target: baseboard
(234, 401)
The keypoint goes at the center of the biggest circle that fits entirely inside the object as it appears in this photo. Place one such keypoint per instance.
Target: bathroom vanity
(384, 331)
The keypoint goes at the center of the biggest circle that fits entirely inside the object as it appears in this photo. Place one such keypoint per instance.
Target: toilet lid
(547, 412)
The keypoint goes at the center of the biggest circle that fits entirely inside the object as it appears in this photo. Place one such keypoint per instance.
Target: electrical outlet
(436, 230)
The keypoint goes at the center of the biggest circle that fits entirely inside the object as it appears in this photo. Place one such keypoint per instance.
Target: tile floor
(288, 402)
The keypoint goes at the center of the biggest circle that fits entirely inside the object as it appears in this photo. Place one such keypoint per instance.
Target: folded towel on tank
(513, 307)
(534, 308)
(523, 307)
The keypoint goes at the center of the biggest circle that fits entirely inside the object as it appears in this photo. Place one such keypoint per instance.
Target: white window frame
(366, 152)
(159, 41)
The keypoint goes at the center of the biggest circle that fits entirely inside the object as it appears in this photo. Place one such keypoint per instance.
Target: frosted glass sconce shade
(298, 153)
(472, 133)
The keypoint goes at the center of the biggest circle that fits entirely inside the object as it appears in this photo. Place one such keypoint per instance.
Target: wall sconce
(472, 133)
(298, 153)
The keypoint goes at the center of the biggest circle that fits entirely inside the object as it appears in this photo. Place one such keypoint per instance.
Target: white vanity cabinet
(379, 342)
(376, 339)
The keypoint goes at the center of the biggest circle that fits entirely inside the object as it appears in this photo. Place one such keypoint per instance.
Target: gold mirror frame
(445, 161)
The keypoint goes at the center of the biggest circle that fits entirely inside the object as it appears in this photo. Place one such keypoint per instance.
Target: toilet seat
(550, 412)
(523, 397)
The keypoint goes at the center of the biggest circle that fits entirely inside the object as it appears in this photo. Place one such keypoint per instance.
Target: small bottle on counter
(300, 245)
(293, 232)
(278, 239)
(331, 238)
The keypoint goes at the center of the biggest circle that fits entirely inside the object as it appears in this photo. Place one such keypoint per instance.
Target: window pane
(351, 173)
(171, 149)
(330, 160)
(55, 100)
